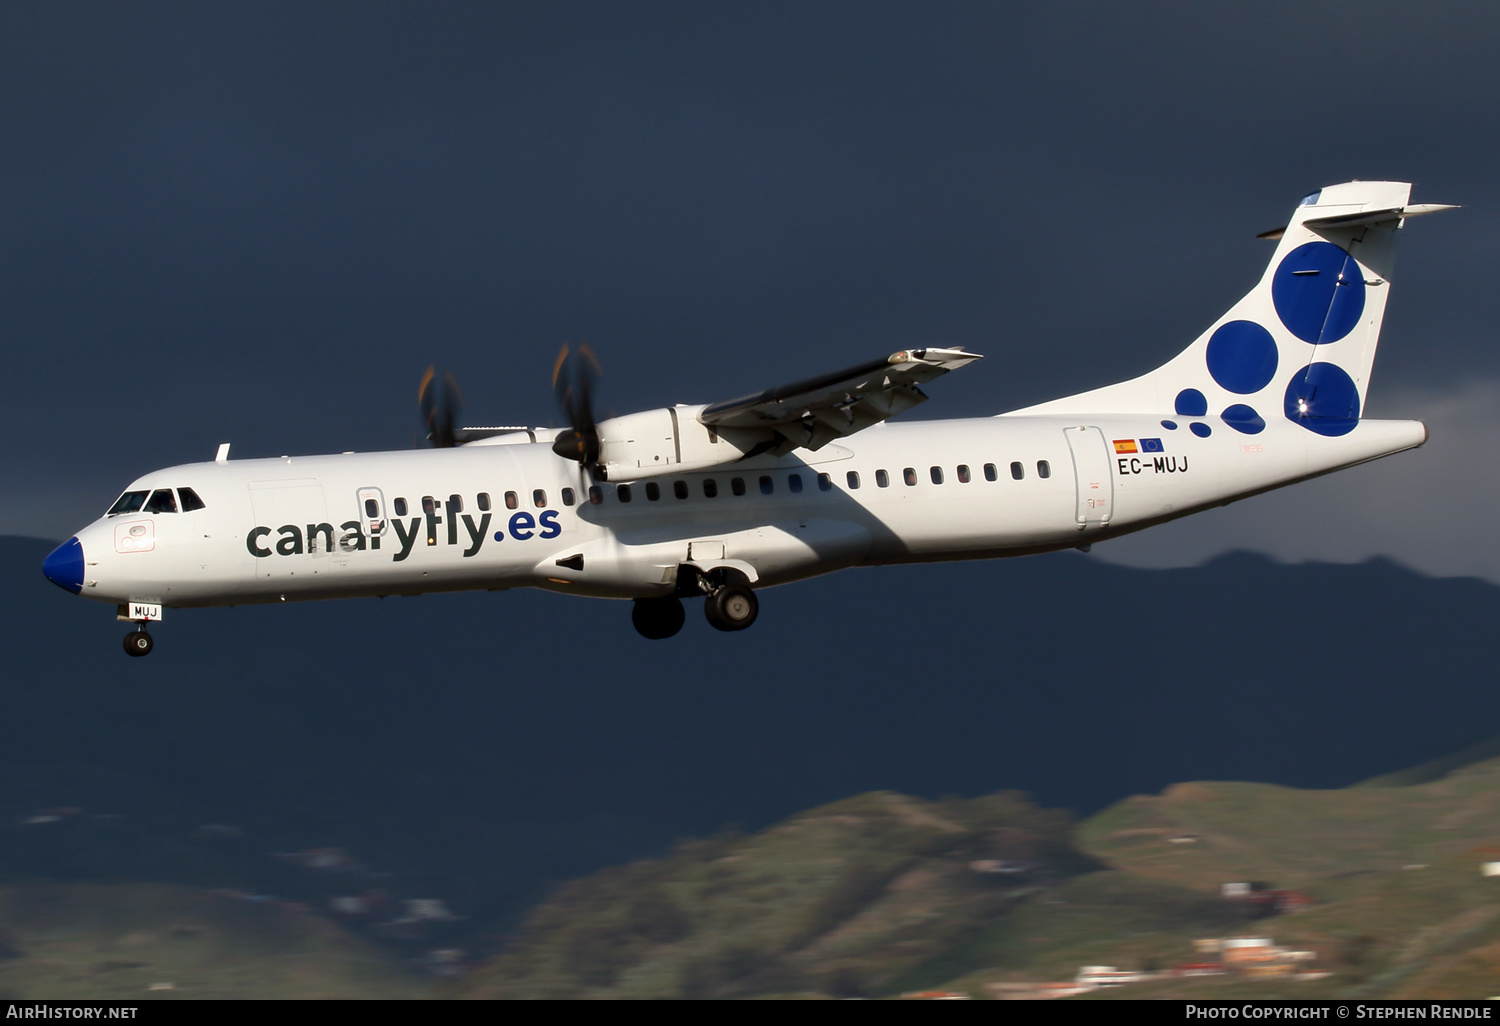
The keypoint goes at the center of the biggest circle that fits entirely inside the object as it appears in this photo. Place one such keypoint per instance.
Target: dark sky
(260, 222)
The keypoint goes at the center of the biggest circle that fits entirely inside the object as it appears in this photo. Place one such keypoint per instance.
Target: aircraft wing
(811, 413)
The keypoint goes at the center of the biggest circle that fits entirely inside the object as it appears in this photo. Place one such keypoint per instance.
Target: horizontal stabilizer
(1381, 217)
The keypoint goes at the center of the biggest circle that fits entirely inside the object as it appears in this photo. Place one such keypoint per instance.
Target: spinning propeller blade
(573, 381)
(440, 403)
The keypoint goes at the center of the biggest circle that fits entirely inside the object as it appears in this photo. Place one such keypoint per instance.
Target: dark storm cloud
(260, 223)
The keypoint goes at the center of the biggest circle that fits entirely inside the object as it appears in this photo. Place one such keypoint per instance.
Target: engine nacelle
(667, 441)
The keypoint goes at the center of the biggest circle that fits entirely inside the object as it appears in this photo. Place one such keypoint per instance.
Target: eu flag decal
(1151, 445)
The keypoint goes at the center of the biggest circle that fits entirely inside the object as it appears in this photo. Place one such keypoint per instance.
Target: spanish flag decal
(1125, 445)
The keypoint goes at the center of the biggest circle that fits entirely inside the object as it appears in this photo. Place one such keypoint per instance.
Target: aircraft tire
(658, 618)
(732, 609)
(138, 643)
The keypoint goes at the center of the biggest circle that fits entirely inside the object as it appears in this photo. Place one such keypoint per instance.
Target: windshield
(127, 503)
(161, 501)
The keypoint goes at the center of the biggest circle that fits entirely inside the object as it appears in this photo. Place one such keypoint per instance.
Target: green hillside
(878, 896)
(883, 894)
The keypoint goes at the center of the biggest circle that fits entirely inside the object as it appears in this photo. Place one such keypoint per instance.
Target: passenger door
(1091, 471)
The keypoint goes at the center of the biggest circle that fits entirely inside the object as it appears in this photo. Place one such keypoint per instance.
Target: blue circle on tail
(1319, 292)
(1191, 403)
(1323, 398)
(1242, 357)
(1243, 419)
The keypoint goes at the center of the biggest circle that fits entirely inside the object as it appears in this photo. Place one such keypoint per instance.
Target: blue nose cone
(64, 567)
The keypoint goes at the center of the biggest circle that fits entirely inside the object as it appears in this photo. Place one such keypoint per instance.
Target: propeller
(573, 380)
(440, 402)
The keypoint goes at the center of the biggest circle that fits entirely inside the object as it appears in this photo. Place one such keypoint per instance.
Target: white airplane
(724, 499)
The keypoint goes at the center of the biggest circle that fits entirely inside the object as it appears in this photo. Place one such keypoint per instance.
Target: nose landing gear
(138, 642)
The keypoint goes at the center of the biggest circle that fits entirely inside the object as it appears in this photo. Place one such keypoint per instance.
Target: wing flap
(813, 412)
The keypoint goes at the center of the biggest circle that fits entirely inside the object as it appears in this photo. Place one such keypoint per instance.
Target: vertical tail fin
(1301, 343)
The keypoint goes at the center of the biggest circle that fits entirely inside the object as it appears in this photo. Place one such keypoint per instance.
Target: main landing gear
(729, 604)
(731, 608)
(658, 618)
(138, 642)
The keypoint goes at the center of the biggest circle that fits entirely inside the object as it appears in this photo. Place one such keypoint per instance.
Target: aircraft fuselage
(494, 516)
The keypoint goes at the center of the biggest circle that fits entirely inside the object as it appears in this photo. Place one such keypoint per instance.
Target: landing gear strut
(731, 608)
(138, 642)
(658, 618)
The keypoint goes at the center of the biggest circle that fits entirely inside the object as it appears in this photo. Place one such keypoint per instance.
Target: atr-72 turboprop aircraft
(721, 500)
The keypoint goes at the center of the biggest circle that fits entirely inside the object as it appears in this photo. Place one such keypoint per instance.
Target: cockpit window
(130, 502)
(161, 501)
(190, 500)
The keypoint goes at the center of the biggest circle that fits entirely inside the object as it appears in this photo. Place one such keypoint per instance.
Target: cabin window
(512, 501)
(484, 502)
(737, 485)
(539, 498)
(568, 497)
(455, 504)
(400, 506)
(825, 483)
(1017, 471)
(794, 482)
(161, 501)
(680, 489)
(937, 475)
(190, 500)
(853, 479)
(710, 488)
(372, 509)
(909, 475)
(767, 486)
(1043, 468)
(990, 473)
(653, 491)
(622, 492)
(127, 503)
(882, 479)
(429, 505)
(596, 494)
(963, 474)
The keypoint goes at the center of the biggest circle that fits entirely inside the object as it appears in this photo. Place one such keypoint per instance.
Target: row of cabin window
(625, 493)
(767, 483)
(159, 501)
(991, 473)
(482, 500)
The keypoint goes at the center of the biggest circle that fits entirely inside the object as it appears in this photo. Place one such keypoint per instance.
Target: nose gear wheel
(138, 643)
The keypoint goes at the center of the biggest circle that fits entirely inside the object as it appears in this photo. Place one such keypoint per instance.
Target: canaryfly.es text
(298, 539)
